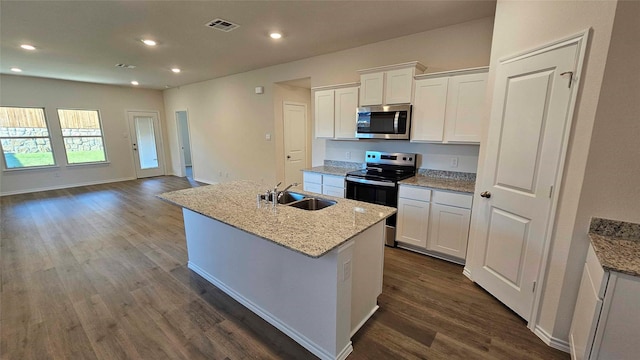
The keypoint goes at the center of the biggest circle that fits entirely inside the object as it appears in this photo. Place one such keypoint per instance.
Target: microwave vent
(222, 25)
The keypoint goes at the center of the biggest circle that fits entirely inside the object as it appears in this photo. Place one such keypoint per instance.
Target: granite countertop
(617, 245)
(443, 180)
(333, 167)
(312, 233)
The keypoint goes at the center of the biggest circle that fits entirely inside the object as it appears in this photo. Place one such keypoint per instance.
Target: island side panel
(368, 263)
(309, 299)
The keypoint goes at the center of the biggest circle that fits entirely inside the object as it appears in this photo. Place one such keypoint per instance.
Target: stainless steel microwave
(384, 122)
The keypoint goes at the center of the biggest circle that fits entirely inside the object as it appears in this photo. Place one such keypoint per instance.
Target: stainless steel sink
(289, 197)
(312, 204)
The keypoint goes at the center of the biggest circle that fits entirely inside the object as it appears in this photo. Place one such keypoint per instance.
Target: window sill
(89, 163)
(45, 167)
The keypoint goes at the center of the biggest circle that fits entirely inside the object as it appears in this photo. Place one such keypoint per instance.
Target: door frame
(160, 141)
(181, 145)
(284, 139)
(581, 39)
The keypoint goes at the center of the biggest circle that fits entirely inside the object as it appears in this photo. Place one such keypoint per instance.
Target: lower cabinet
(434, 222)
(606, 320)
(332, 185)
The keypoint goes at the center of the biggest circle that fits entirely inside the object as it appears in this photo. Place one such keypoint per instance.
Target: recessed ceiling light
(135, 83)
(16, 69)
(149, 42)
(28, 47)
(275, 35)
(176, 70)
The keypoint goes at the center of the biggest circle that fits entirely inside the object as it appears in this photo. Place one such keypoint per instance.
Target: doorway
(146, 142)
(184, 144)
(527, 142)
(295, 141)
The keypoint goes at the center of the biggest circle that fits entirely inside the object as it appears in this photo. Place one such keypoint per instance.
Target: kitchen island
(315, 275)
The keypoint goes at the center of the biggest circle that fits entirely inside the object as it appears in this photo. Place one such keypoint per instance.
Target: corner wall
(111, 101)
(524, 25)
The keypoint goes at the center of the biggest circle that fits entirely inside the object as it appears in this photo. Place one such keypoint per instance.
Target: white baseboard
(466, 272)
(366, 318)
(206, 181)
(555, 343)
(65, 186)
(268, 317)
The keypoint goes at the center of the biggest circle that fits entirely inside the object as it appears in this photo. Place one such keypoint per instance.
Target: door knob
(288, 156)
(485, 194)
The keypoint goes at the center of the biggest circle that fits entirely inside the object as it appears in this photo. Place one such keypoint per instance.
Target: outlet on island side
(454, 162)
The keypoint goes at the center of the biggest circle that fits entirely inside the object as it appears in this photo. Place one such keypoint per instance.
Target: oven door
(384, 122)
(376, 192)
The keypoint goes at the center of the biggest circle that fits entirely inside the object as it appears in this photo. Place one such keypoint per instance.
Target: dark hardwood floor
(98, 272)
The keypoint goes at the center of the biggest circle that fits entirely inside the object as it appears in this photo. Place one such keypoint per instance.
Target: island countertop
(312, 233)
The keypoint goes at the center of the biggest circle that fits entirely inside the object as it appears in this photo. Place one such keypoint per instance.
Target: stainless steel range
(378, 182)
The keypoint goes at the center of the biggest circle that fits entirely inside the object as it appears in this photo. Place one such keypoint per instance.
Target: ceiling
(84, 40)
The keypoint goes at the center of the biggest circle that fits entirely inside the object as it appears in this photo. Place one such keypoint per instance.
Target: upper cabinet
(335, 111)
(388, 85)
(448, 106)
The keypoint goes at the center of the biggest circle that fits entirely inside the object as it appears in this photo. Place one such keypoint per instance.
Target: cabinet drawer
(335, 181)
(311, 187)
(415, 193)
(312, 178)
(452, 199)
(333, 191)
(595, 273)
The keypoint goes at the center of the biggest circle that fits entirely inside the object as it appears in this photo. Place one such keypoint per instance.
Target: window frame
(5, 166)
(63, 137)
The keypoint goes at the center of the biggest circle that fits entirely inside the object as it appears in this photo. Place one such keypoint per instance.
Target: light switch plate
(267, 137)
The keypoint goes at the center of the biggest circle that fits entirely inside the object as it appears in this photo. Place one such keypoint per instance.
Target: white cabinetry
(335, 111)
(606, 320)
(448, 106)
(388, 85)
(332, 185)
(434, 222)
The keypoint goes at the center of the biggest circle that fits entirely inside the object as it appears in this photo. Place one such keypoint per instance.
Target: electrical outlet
(347, 155)
(454, 162)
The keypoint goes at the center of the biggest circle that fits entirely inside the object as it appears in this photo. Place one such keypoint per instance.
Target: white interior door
(144, 129)
(295, 141)
(184, 143)
(526, 144)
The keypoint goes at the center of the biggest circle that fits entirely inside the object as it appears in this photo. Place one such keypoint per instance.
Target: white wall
(111, 101)
(229, 122)
(523, 25)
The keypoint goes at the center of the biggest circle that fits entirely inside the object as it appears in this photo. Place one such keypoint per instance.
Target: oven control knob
(410, 159)
(404, 158)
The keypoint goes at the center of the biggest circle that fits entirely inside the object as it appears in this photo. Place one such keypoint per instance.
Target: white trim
(555, 343)
(467, 272)
(366, 318)
(268, 317)
(433, 254)
(66, 186)
(43, 167)
(475, 70)
(336, 86)
(571, 39)
(581, 39)
(410, 64)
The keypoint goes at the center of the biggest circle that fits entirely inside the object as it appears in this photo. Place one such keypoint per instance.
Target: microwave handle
(395, 122)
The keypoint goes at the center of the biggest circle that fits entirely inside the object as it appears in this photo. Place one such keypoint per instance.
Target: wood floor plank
(99, 272)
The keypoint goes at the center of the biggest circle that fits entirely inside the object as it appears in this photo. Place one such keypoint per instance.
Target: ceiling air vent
(125, 66)
(222, 25)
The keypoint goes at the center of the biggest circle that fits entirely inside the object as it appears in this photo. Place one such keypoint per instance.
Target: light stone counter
(333, 167)
(443, 180)
(617, 245)
(312, 233)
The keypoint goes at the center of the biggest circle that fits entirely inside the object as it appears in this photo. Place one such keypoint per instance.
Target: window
(24, 137)
(82, 136)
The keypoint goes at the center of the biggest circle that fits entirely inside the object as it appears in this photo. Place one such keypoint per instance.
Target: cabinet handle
(485, 194)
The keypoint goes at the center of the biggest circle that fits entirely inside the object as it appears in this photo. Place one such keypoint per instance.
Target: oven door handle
(370, 182)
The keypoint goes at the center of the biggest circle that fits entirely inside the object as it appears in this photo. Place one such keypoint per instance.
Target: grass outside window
(25, 138)
(82, 136)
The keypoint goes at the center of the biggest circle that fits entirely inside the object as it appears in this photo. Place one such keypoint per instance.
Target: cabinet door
(449, 230)
(412, 224)
(429, 106)
(333, 191)
(346, 105)
(371, 89)
(324, 117)
(398, 86)
(585, 318)
(312, 187)
(465, 100)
